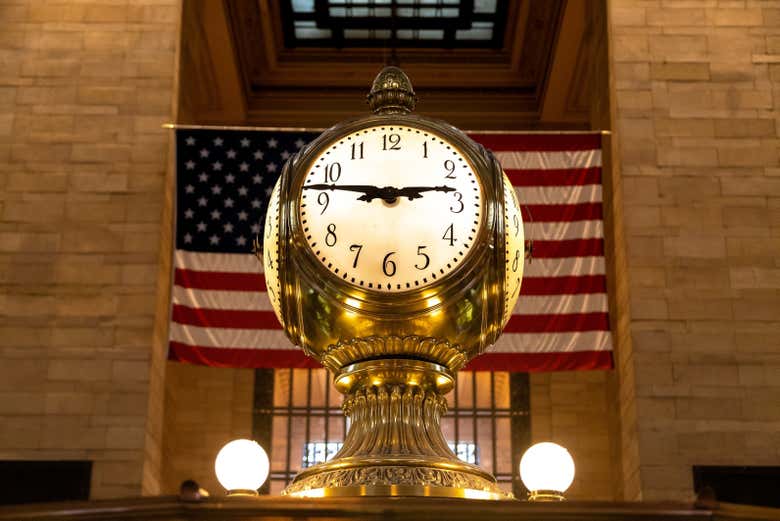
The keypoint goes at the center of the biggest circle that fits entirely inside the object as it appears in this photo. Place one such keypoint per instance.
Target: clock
(390, 208)
(514, 246)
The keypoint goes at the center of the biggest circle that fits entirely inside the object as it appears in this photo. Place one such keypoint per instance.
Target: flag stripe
(548, 160)
(538, 142)
(563, 285)
(259, 301)
(576, 194)
(560, 177)
(567, 248)
(537, 362)
(557, 323)
(276, 339)
(561, 212)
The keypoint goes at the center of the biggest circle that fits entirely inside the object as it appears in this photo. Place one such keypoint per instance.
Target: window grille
(297, 416)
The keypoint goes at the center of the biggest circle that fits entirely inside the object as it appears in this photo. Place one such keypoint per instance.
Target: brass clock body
(392, 270)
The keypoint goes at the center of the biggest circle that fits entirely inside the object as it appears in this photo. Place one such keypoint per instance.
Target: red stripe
(564, 177)
(239, 319)
(572, 285)
(561, 212)
(284, 358)
(568, 248)
(533, 362)
(226, 318)
(240, 357)
(219, 280)
(562, 323)
(538, 142)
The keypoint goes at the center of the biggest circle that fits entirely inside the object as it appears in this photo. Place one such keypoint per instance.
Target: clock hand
(388, 194)
(414, 192)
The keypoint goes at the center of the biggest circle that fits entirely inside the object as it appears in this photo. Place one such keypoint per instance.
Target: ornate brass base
(394, 446)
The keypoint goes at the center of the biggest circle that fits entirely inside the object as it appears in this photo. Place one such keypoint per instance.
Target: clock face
(271, 251)
(514, 240)
(391, 208)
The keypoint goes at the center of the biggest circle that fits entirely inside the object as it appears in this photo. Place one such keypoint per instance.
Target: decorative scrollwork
(393, 475)
(422, 348)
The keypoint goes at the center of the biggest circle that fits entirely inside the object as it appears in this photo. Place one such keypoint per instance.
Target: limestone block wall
(697, 86)
(84, 88)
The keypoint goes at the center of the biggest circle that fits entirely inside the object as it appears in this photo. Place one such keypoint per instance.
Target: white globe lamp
(547, 470)
(242, 467)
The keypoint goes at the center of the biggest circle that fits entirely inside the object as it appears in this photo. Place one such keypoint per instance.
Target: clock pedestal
(395, 446)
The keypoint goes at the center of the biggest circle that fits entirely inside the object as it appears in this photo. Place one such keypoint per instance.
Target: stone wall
(84, 88)
(697, 86)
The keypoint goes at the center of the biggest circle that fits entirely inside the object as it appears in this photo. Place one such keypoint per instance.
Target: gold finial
(391, 92)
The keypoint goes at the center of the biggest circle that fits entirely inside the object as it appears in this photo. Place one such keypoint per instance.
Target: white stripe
(228, 262)
(558, 231)
(561, 304)
(535, 160)
(553, 342)
(213, 299)
(568, 266)
(558, 194)
(225, 337)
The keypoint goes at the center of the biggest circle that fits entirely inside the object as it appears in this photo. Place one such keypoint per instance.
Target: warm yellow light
(352, 302)
(433, 301)
(242, 466)
(547, 470)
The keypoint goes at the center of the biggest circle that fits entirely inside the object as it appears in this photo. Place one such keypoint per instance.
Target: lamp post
(242, 467)
(547, 470)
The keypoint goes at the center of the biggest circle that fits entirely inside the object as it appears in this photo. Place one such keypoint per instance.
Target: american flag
(221, 315)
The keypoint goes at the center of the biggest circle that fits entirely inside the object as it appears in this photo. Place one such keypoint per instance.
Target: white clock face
(271, 251)
(391, 208)
(514, 240)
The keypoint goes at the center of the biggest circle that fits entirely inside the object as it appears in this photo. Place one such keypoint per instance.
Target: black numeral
(357, 150)
(516, 222)
(449, 165)
(425, 150)
(388, 266)
(449, 235)
(516, 262)
(269, 261)
(421, 253)
(459, 199)
(323, 201)
(332, 172)
(358, 248)
(330, 237)
(393, 139)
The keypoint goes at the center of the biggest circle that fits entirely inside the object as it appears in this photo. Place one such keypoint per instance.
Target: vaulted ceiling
(236, 69)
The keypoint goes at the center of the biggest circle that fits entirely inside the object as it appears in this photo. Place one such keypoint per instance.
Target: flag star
(228, 227)
(230, 178)
(271, 167)
(244, 167)
(256, 228)
(240, 240)
(245, 142)
(202, 201)
(228, 203)
(187, 238)
(216, 189)
(242, 215)
(285, 155)
(231, 154)
(203, 177)
(217, 166)
(257, 179)
(214, 239)
(215, 215)
(189, 189)
(243, 190)
(189, 214)
(272, 143)
(201, 226)
(255, 203)
(218, 142)
(258, 154)
(190, 165)
(204, 153)
(190, 141)
(268, 190)
(299, 143)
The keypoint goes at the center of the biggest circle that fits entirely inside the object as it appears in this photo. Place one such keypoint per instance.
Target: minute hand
(414, 192)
